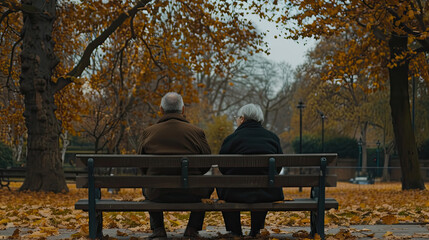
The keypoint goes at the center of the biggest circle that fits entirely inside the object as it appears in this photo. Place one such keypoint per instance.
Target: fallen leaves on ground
(46, 213)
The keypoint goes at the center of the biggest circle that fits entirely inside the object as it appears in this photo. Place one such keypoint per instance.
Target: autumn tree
(46, 70)
(258, 80)
(394, 31)
(345, 101)
(217, 131)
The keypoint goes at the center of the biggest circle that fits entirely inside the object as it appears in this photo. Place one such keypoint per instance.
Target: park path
(400, 231)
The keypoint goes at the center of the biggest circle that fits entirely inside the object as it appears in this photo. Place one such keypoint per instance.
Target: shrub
(424, 150)
(310, 144)
(217, 131)
(6, 157)
(345, 147)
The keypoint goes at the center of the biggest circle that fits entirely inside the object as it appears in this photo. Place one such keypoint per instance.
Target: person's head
(250, 112)
(172, 103)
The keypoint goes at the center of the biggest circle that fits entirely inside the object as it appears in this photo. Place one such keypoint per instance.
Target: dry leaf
(389, 220)
(301, 234)
(121, 234)
(139, 199)
(15, 233)
(207, 201)
(264, 233)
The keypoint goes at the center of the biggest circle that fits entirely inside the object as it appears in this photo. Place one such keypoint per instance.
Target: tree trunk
(66, 143)
(44, 170)
(387, 152)
(386, 176)
(401, 116)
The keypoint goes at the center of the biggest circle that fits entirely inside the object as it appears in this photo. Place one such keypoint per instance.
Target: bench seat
(299, 204)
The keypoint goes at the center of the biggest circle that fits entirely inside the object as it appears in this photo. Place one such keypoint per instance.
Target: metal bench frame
(316, 203)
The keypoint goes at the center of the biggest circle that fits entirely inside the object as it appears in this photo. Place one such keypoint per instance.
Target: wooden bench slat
(294, 205)
(21, 172)
(196, 181)
(230, 160)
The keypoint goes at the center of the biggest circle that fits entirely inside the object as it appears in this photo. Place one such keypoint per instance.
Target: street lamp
(323, 129)
(300, 106)
(378, 158)
(360, 155)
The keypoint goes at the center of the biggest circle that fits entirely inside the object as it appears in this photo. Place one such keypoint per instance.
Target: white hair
(172, 102)
(251, 112)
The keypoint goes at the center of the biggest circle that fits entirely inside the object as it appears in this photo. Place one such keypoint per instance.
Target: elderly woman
(249, 138)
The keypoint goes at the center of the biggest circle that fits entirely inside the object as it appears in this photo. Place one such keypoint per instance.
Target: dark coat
(173, 134)
(250, 138)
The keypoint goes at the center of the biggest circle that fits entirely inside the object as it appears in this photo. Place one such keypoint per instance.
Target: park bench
(8, 175)
(315, 203)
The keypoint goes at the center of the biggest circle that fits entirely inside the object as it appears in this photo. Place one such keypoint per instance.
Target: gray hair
(172, 102)
(251, 112)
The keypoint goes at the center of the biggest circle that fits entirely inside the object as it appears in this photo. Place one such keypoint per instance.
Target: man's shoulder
(174, 124)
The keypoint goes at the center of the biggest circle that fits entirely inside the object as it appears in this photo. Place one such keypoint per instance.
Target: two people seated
(173, 134)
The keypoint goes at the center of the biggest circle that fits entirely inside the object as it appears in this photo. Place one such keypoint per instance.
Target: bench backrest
(20, 172)
(269, 161)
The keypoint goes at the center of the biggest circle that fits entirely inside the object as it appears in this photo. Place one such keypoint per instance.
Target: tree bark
(44, 169)
(401, 116)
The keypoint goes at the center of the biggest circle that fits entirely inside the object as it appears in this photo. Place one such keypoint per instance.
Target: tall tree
(47, 69)
(341, 97)
(397, 29)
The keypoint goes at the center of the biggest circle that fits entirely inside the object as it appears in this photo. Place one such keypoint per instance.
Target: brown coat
(173, 134)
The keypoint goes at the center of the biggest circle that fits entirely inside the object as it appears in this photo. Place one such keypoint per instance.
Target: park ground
(378, 211)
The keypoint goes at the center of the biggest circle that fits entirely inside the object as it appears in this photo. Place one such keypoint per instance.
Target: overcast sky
(289, 51)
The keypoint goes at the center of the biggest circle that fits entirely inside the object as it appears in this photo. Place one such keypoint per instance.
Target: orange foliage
(364, 53)
(157, 50)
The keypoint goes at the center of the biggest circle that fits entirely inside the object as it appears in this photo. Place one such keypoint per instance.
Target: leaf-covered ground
(46, 213)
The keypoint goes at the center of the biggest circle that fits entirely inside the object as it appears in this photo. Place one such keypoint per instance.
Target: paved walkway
(401, 231)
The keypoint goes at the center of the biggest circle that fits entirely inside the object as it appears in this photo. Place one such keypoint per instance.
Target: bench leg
(96, 225)
(317, 218)
(6, 180)
(95, 217)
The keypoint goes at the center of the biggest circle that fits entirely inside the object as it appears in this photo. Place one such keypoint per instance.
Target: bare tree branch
(84, 62)
(11, 61)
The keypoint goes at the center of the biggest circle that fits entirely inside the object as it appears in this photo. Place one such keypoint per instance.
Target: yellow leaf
(389, 219)
(207, 201)
(121, 234)
(49, 230)
(388, 233)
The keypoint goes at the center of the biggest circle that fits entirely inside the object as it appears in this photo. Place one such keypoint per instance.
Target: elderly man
(173, 134)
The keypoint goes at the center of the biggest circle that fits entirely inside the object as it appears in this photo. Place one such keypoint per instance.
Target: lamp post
(378, 158)
(300, 106)
(360, 155)
(322, 116)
